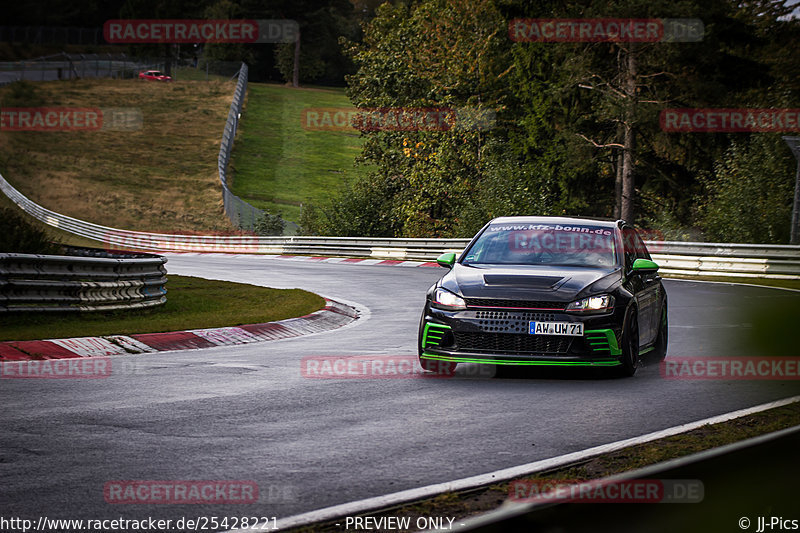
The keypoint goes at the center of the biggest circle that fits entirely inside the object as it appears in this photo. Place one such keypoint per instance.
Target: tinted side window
(629, 246)
(641, 249)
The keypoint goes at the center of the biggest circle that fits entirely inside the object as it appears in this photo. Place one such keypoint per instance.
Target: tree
(577, 124)
(749, 198)
(316, 55)
(437, 56)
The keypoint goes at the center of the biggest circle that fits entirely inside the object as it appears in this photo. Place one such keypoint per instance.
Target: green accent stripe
(433, 333)
(603, 340)
(459, 359)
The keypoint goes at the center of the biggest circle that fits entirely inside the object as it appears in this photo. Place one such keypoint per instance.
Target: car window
(629, 246)
(476, 251)
(544, 244)
(641, 249)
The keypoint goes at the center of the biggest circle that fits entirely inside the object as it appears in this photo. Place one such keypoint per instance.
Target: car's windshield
(544, 244)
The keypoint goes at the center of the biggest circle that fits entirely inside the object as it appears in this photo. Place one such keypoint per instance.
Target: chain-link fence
(65, 66)
(68, 66)
(201, 69)
(237, 210)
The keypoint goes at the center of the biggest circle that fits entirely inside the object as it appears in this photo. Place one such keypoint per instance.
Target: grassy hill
(277, 164)
(161, 178)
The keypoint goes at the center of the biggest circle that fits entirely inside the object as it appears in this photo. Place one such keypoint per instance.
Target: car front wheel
(660, 350)
(630, 344)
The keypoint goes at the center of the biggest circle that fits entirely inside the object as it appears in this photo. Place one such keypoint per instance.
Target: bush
(363, 209)
(750, 197)
(270, 224)
(20, 236)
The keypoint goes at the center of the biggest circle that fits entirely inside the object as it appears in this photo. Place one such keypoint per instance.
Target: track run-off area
(248, 413)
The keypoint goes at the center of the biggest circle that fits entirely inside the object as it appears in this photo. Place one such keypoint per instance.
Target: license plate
(572, 329)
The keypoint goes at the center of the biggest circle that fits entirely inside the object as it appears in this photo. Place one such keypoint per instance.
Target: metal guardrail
(675, 258)
(728, 266)
(30, 282)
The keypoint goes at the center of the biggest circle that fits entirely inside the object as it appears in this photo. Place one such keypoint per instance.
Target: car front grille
(515, 304)
(509, 321)
(509, 343)
(514, 315)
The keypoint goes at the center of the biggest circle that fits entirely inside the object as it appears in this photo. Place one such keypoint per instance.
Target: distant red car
(155, 75)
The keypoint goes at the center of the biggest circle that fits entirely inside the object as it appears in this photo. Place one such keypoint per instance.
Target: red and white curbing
(333, 315)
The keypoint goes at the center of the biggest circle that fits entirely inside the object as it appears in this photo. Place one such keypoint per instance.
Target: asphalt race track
(247, 413)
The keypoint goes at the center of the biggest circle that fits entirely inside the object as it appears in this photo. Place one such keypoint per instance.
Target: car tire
(439, 368)
(630, 344)
(660, 347)
(419, 335)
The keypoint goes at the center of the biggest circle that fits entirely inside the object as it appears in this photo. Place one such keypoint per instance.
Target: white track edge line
(396, 498)
(733, 283)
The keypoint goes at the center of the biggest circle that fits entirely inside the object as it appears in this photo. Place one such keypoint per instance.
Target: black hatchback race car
(546, 291)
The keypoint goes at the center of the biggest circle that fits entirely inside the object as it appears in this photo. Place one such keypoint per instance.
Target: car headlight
(593, 304)
(444, 299)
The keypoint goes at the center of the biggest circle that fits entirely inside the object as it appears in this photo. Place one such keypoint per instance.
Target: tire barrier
(30, 282)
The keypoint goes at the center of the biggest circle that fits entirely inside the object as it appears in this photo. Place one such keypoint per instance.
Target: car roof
(606, 223)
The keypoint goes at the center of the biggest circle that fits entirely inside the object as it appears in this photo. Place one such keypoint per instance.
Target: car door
(651, 293)
(634, 283)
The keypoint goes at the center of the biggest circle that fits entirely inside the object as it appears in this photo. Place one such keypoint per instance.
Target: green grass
(192, 303)
(197, 74)
(277, 165)
(56, 235)
(161, 178)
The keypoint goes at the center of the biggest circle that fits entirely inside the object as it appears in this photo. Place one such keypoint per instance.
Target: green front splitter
(452, 359)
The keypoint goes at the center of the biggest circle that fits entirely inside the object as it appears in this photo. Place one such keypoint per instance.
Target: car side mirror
(644, 266)
(446, 260)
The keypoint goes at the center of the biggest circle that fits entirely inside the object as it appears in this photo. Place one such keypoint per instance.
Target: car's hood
(530, 282)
